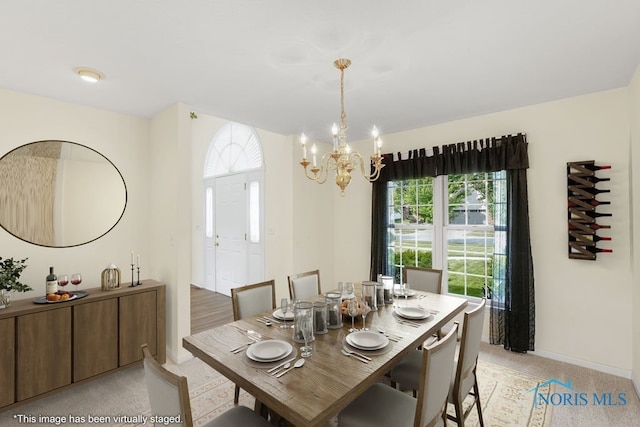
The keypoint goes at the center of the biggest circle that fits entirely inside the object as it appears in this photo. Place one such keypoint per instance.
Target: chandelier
(341, 159)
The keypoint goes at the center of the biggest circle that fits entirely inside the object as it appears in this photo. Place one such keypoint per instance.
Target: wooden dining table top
(329, 380)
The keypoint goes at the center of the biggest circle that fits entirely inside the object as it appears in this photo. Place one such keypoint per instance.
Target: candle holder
(133, 283)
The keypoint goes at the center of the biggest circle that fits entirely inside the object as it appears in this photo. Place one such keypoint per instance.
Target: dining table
(329, 379)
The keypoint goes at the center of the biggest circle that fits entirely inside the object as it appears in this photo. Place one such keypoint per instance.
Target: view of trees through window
(453, 223)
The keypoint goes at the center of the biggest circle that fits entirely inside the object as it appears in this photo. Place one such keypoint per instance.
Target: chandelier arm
(322, 173)
(370, 177)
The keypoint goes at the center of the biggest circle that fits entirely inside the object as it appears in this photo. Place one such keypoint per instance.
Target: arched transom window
(234, 148)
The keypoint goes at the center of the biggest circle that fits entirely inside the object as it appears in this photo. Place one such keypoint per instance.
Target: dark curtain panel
(513, 309)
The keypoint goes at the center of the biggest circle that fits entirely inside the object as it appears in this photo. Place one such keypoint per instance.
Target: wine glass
(63, 280)
(284, 307)
(406, 289)
(306, 327)
(347, 290)
(76, 279)
(397, 293)
(352, 310)
(365, 310)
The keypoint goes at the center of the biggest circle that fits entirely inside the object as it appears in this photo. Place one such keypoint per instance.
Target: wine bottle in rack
(593, 226)
(52, 282)
(592, 202)
(596, 250)
(588, 190)
(596, 168)
(596, 238)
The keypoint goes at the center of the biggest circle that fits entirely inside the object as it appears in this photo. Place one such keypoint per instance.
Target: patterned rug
(504, 395)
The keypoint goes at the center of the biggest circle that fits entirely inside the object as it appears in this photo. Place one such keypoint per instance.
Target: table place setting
(363, 344)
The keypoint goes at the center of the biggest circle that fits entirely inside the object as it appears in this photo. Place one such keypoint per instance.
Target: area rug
(504, 394)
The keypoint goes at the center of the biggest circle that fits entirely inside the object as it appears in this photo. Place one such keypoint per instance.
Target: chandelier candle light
(341, 159)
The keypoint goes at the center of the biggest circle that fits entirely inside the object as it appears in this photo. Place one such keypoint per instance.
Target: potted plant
(10, 271)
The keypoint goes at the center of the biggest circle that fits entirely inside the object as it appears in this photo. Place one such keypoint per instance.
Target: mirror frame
(124, 183)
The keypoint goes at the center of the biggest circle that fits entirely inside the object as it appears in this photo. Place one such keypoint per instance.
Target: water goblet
(352, 310)
(365, 310)
(284, 307)
(76, 279)
(397, 293)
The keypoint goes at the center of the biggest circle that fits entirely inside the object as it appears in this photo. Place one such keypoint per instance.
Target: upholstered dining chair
(465, 381)
(304, 286)
(423, 279)
(169, 397)
(381, 405)
(405, 373)
(248, 301)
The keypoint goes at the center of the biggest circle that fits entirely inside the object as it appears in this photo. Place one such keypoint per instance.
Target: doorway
(234, 201)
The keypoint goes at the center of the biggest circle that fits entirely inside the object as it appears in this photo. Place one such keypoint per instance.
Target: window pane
(254, 212)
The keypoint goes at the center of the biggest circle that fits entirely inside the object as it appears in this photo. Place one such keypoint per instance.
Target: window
(454, 223)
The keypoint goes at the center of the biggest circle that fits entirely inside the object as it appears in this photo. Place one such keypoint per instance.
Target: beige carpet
(504, 394)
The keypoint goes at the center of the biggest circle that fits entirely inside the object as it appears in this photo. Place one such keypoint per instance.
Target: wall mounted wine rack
(582, 213)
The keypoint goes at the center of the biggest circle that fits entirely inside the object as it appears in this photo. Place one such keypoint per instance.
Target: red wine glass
(63, 280)
(76, 279)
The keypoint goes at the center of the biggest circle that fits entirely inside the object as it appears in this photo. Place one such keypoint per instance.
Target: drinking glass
(397, 293)
(347, 290)
(306, 328)
(365, 310)
(406, 289)
(352, 310)
(63, 280)
(284, 306)
(76, 279)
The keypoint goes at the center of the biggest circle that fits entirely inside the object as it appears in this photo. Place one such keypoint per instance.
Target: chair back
(435, 380)
(469, 349)
(423, 279)
(168, 392)
(304, 286)
(253, 299)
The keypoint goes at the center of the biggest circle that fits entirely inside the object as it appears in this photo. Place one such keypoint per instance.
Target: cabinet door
(7, 361)
(138, 326)
(43, 352)
(95, 338)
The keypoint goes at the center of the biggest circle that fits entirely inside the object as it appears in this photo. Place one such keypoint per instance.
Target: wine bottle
(52, 282)
(592, 226)
(596, 168)
(592, 202)
(594, 249)
(587, 190)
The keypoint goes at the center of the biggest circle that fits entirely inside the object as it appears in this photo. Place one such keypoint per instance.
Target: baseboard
(178, 360)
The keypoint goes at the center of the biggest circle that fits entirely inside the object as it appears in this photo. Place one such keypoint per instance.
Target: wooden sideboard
(47, 347)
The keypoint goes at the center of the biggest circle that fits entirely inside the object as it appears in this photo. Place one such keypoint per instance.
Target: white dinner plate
(367, 340)
(269, 350)
(278, 315)
(413, 312)
(412, 293)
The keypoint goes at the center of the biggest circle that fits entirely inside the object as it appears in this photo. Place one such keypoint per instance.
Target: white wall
(123, 140)
(634, 118)
(583, 308)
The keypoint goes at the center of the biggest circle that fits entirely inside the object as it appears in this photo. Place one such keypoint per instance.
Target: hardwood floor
(209, 309)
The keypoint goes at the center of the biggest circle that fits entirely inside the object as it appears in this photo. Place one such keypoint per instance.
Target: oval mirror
(59, 194)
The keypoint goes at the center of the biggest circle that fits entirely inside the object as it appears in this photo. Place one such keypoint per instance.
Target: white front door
(230, 233)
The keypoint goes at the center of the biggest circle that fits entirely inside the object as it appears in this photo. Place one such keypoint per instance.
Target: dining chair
(169, 397)
(381, 405)
(465, 381)
(304, 286)
(423, 279)
(405, 372)
(248, 301)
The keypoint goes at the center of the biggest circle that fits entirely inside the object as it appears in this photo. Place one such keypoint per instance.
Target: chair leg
(236, 395)
(459, 413)
(476, 391)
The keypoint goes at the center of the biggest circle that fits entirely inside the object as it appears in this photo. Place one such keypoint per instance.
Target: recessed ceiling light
(89, 74)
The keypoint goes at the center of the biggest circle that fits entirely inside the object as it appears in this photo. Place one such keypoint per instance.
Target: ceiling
(269, 64)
